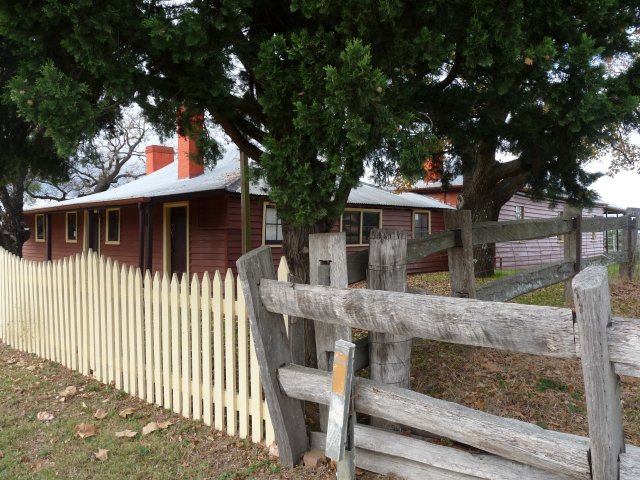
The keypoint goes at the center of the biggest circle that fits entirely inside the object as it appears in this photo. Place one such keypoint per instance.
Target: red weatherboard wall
(60, 248)
(214, 235)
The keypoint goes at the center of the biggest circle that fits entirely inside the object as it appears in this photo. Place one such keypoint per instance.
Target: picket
(181, 345)
(175, 342)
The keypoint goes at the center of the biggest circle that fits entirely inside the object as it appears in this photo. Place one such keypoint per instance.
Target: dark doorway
(178, 240)
(93, 231)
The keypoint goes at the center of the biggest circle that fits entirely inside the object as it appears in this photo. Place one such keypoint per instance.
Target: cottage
(181, 218)
(510, 255)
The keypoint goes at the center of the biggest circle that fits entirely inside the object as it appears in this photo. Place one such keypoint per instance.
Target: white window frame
(361, 210)
(106, 226)
(521, 209)
(413, 221)
(266, 205)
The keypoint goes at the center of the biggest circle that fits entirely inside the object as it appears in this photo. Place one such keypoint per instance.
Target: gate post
(601, 384)
(272, 350)
(389, 355)
(328, 266)
(461, 270)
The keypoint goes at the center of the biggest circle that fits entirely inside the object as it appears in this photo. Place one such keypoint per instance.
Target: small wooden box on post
(572, 247)
(630, 244)
(328, 267)
(272, 351)
(601, 384)
(463, 283)
(389, 355)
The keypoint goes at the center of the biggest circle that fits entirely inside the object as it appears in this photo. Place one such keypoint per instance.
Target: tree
(103, 162)
(24, 150)
(529, 80)
(312, 105)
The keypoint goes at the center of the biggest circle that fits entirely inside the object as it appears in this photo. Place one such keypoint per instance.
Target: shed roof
(224, 176)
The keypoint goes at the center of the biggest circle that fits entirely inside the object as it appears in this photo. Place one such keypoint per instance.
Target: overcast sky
(622, 190)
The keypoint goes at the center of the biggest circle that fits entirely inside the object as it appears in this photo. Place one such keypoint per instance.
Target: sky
(621, 190)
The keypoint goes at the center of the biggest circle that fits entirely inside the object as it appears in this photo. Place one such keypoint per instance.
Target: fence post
(630, 243)
(272, 351)
(601, 384)
(572, 247)
(328, 266)
(461, 265)
(389, 355)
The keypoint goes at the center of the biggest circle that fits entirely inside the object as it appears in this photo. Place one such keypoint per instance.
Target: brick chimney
(189, 158)
(158, 156)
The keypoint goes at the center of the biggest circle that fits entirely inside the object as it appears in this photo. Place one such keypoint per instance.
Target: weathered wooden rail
(512, 449)
(525, 281)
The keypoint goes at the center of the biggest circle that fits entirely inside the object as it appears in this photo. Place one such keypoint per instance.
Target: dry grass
(541, 390)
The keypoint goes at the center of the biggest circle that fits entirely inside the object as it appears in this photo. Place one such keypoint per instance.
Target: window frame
(271, 243)
(66, 226)
(106, 226)
(413, 222)
(522, 210)
(44, 227)
(361, 210)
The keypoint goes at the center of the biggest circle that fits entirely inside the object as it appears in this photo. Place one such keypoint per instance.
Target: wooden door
(178, 240)
(93, 233)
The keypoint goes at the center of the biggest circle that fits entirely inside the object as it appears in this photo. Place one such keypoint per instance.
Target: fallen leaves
(85, 430)
(45, 416)
(126, 434)
(68, 392)
(100, 414)
(153, 426)
(101, 455)
(126, 412)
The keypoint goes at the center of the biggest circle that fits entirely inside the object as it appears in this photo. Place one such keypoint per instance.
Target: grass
(545, 391)
(33, 449)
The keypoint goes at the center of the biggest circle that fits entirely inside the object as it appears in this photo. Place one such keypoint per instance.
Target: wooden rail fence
(461, 235)
(185, 347)
(510, 448)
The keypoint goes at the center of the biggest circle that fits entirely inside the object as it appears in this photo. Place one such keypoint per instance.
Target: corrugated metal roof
(224, 176)
(455, 182)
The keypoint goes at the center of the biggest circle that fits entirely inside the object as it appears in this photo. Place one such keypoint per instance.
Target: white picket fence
(184, 347)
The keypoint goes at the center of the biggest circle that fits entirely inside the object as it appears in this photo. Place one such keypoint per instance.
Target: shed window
(421, 224)
(40, 228)
(72, 227)
(272, 226)
(357, 225)
(113, 226)
(519, 212)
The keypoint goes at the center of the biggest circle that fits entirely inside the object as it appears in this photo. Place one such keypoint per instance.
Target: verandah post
(272, 351)
(602, 385)
(630, 244)
(328, 266)
(389, 355)
(461, 265)
(572, 247)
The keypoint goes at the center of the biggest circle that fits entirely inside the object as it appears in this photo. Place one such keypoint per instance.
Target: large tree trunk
(12, 227)
(485, 191)
(295, 246)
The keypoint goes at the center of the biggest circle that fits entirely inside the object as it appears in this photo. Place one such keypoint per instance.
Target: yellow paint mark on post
(339, 373)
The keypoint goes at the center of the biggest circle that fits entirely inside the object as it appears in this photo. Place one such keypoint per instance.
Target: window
(113, 226)
(357, 225)
(421, 224)
(40, 228)
(72, 227)
(519, 212)
(272, 226)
